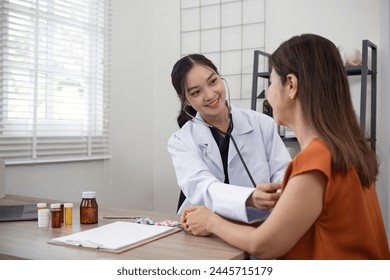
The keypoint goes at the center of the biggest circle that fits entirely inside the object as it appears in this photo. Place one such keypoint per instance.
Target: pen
(121, 217)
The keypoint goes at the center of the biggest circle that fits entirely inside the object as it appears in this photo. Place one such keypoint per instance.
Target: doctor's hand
(265, 196)
(196, 219)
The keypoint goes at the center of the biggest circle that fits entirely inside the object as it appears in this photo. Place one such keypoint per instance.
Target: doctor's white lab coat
(199, 170)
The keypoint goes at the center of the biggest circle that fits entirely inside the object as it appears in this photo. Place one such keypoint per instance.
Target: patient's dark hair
(179, 75)
(325, 96)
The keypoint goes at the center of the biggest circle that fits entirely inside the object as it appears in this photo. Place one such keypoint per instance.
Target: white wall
(384, 113)
(132, 106)
(166, 43)
(346, 23)
(146, 43)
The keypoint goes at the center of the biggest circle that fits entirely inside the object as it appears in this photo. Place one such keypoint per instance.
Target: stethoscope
(228, 132)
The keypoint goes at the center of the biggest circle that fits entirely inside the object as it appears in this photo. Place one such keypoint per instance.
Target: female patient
(329, 207)
(217, 142)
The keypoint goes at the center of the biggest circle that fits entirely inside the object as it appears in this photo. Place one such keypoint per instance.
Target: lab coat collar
(201, 134)
(204, 140)
(241, 126)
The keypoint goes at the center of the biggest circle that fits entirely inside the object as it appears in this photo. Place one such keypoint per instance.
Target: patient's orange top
(350, 225)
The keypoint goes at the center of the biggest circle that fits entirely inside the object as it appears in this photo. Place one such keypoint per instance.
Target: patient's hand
(264, 196)
(196, 220)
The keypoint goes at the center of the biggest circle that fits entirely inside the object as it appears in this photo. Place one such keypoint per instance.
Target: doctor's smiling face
(205, 92)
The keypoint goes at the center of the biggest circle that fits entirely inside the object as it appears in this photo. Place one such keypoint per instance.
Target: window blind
(54, 80)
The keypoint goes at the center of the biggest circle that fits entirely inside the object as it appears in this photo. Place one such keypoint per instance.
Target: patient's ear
(292, 86)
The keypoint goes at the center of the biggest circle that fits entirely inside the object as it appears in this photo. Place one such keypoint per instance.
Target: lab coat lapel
(240, 127)
(205, 141)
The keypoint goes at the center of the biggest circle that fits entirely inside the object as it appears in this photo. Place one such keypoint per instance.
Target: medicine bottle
(68, 213)
(55, 215)
(88, 208)
(62, 212)
(43, 217)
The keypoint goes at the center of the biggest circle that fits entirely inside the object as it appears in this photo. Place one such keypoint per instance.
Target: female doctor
(231, 160)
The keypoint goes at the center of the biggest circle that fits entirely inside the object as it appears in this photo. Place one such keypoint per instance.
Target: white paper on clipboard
(116, 237)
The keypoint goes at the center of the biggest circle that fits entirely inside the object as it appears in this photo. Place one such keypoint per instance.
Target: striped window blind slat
(54, 80)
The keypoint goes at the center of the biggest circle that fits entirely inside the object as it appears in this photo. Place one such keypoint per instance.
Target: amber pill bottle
(88, 208)
(55, 215)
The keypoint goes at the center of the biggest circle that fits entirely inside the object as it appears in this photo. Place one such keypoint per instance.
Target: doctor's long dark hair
(179, 75)
(324, 93)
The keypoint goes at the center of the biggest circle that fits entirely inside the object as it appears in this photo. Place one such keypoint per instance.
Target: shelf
(351, 71)
(356, 70)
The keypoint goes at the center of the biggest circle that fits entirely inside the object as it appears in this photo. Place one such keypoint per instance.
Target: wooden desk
(25, 240)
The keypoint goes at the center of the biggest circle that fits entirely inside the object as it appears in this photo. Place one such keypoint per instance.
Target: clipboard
(116, 237)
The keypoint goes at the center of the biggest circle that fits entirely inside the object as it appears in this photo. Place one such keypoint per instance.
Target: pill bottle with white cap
(68, 213)
(88, 208)
(43, 217)
(55, 215)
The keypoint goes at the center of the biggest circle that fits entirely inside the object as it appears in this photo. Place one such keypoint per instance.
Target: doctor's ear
(292, 85)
